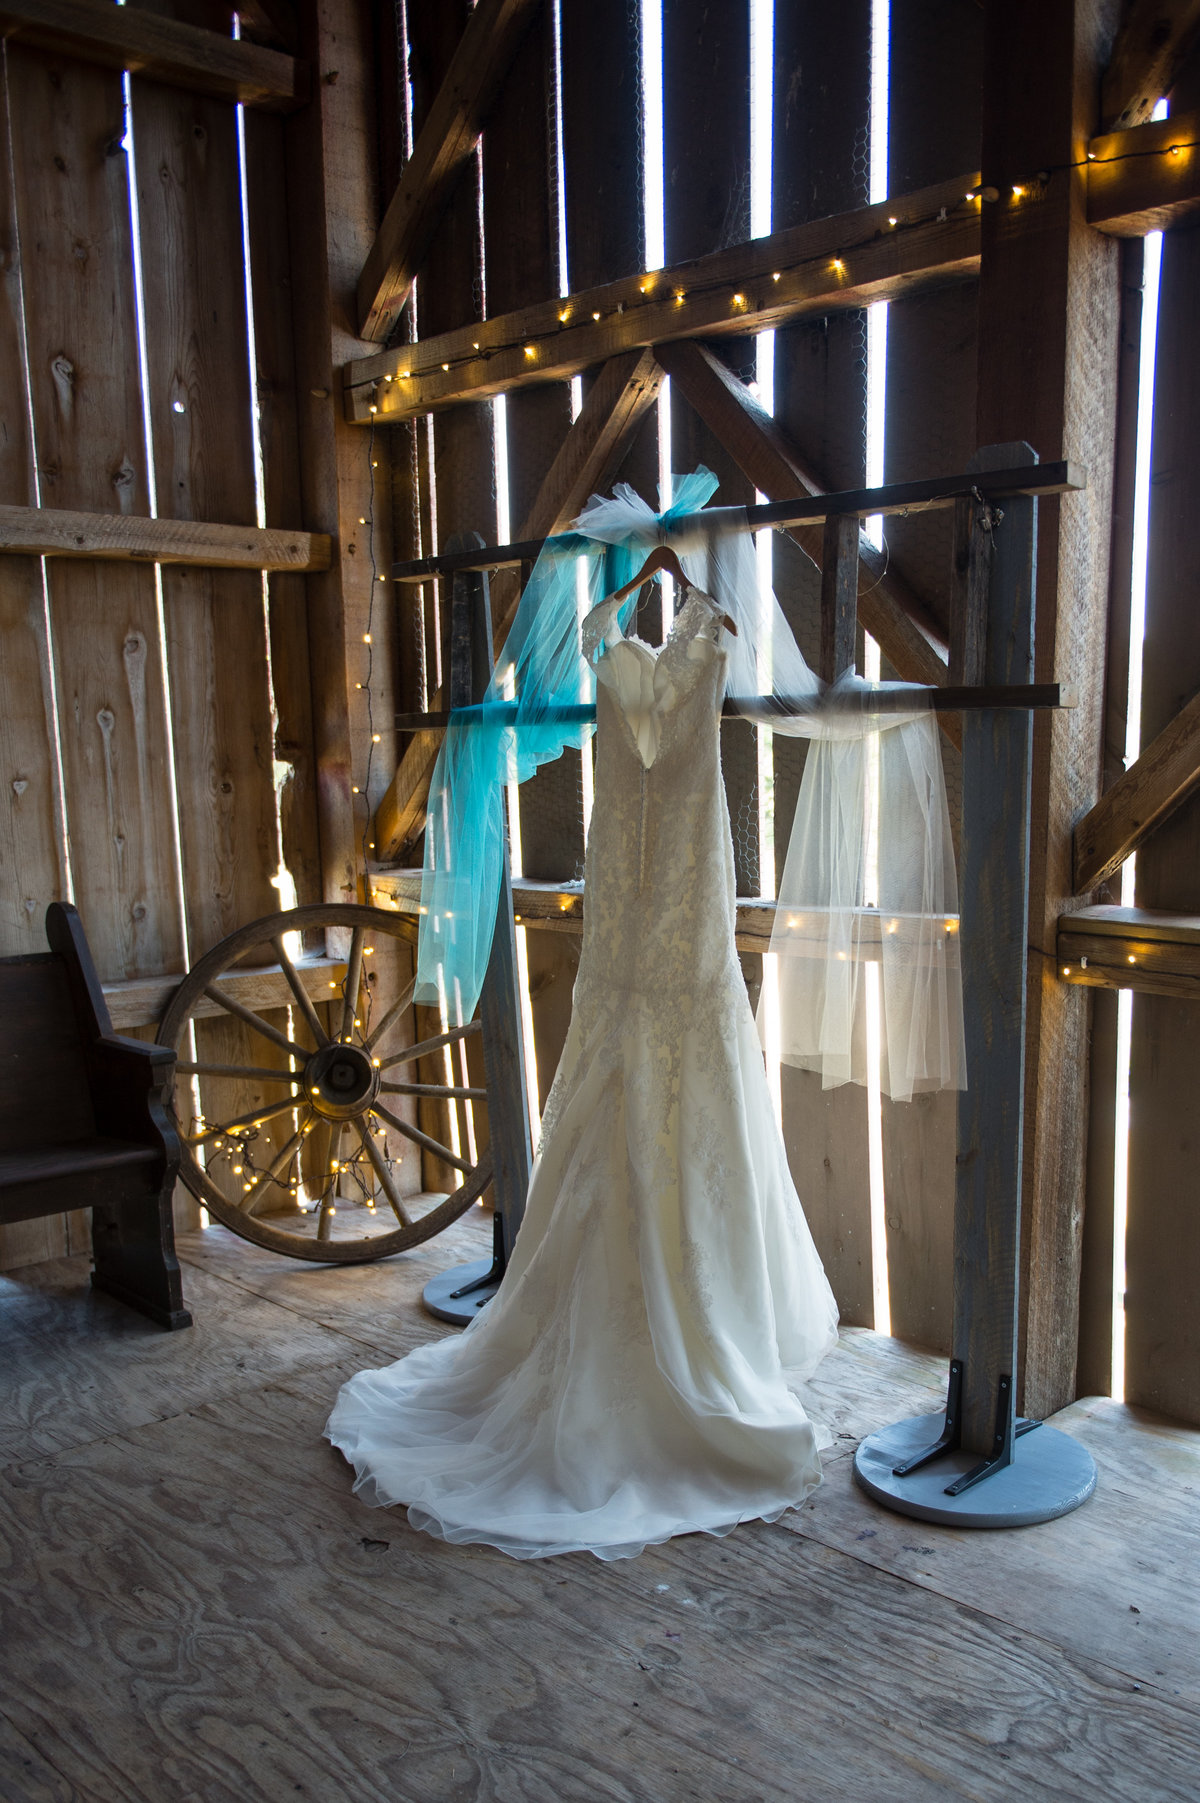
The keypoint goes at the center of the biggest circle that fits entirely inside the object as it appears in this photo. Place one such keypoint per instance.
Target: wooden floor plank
(80, 1366)
(25, 1777)
(1116, 1581)
(266, 1636)
(376, 1305)
(196, 1605)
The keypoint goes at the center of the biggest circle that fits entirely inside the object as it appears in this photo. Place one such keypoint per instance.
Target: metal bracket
(1007, 1432)
(950, 1439)
(951, 1435)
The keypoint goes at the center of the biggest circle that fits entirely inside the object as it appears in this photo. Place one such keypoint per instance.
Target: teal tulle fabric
(540, 700)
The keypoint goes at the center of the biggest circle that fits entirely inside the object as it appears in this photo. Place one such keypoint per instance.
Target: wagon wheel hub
(341, 1081)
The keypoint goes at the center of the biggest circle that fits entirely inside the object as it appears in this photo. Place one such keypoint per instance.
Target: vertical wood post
(839, 595)
(997, 770)
(499, 1005)
(1048, 318)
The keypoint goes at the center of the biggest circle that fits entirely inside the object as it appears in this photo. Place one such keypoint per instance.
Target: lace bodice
(659, 870)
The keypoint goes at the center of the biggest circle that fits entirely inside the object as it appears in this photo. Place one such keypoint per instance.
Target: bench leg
(133, 1243)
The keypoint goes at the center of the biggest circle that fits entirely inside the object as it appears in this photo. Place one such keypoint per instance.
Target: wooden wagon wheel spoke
(386, 1180)
(353, 979)
(289, 1188)
(303, 999)
(420, 1139)
(428, 1045)
(433, 1089)
(233, 1006)
(254, 1117)
(398, 1007)
(260, 1073)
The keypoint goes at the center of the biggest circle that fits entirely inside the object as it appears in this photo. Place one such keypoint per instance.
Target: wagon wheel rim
(336, 1082)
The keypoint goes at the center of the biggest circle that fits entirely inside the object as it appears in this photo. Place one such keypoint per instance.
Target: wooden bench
(83, 1122)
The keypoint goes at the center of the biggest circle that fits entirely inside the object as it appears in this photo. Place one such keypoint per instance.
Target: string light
(985, 193)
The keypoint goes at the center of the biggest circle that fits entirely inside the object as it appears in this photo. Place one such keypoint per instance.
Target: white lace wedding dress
(630, 1380)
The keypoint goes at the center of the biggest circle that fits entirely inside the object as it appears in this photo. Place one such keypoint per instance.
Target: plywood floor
(196, 1610)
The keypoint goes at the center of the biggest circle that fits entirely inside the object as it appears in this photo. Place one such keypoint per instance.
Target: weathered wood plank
(694, 1660)
(445, 141)
(822, 101)
(162, 49)
(1073, 1580)
(1162, 1344)
(521, 263)
(198, 367)
(1146, 179)
(829, 265)
(60, 532)
(1151, 48)
(32, 871)
(1160, 779)
(1048, 314)
(934, 108)
(1097, 1277)
(73, 213)
(279, 407)
(329, 202)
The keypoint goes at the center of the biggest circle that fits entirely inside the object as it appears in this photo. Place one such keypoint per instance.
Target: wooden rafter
(907, 630)
(61, 532)
(830, 264)
(1151, 789)
(590, 455)
(1144, 179)
(445, 142)
(127, 37)
(1151, 46)
(1139, 180)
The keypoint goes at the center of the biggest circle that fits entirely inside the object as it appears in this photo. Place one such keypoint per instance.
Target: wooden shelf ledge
(558, 908)
(1131, 948)
(61, 532)
(142, 1001)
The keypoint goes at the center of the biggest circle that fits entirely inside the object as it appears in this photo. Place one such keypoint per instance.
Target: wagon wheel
(310, 1167)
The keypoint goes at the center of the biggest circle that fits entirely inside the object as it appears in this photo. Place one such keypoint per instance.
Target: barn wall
(165, 743)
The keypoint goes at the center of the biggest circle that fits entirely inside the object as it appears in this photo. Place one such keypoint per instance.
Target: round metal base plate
(1050, 1475)
(439, 1298)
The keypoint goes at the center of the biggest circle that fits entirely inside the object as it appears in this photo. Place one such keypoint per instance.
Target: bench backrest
(44, 1094)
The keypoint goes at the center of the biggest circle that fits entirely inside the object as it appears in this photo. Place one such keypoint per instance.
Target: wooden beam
(142, 1001)
(445, 142)
(1152, 788)
(145, 43)
(906, 629)
(1049, 308)
(590, 453)
(559, 908)
(1145, 179)
(1131, 948)
(1151, 47)
(829, 265)
(62, 532)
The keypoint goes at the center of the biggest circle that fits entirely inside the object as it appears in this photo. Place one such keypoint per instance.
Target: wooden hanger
(664, 558)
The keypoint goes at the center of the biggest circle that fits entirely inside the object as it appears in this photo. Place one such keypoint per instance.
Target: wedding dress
(631, 1380)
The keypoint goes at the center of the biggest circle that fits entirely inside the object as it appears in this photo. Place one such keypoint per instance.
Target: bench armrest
(130, 1080)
